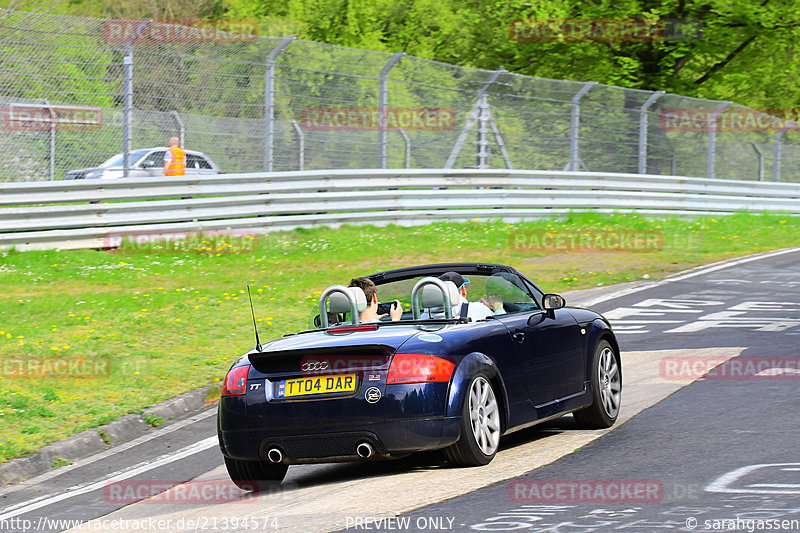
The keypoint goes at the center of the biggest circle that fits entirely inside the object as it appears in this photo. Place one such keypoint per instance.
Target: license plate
(317, 385)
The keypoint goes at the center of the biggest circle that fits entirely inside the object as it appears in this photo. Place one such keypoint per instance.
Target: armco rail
(85, 213)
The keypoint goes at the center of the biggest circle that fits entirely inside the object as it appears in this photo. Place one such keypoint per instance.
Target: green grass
(152, 323)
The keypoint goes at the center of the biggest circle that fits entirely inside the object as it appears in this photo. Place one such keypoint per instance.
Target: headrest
(340, 304)
(432, 295)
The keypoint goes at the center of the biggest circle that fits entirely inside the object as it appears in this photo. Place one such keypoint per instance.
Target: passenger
(465, 308)
(370, 314)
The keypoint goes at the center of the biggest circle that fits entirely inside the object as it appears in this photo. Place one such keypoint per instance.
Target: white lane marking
(724, 482)
(26, 507)
(766, 306)
(623, 312)
(106, 453)
(732, 319)
(645, 322)
(690, 274)
(680, 304)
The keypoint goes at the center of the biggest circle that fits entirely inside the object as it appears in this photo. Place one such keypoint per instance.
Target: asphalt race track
(690, 453)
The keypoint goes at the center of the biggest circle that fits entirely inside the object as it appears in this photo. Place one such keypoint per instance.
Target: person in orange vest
(174, 159)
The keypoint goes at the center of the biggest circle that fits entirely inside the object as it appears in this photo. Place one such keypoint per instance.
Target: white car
(145, 163)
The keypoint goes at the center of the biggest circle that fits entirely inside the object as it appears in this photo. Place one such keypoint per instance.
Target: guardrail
(90, 213)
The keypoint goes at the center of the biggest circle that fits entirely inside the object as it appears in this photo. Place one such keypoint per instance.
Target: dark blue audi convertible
(437, 374)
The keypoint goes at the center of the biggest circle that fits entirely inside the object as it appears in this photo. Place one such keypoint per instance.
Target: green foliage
(744, 51)
(719, 49)
(105, 436)
(153, 421)
(58, 461)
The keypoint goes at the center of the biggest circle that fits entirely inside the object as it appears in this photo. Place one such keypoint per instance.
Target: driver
(465, 308)
(370, 314)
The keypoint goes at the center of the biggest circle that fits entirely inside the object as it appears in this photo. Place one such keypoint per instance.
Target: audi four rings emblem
(314, 365)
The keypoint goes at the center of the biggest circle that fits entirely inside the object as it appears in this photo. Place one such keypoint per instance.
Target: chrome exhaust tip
(275, 455)
(364, 450)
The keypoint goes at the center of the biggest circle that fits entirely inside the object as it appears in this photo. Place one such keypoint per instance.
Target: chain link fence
(76, 91)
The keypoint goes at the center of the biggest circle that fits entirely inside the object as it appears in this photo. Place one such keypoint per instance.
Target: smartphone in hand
(383, 309)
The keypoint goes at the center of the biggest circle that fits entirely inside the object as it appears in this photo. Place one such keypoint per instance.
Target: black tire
(256, 476)
(606, 390)
(480, 425)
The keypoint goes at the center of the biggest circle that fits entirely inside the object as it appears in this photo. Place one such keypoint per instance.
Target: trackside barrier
(83, 213)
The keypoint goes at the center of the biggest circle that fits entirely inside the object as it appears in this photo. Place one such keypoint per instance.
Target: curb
(98, 439)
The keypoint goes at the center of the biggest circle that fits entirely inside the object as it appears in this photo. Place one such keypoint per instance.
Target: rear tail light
(236, 381)
(419, 368)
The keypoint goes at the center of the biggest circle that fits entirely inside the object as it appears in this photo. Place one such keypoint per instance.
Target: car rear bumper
(397, 437)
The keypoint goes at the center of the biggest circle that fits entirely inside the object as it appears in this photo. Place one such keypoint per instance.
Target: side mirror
(553, 301)
(147, 164)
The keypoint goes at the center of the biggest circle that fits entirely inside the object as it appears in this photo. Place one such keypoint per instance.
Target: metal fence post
(776, 160)
(269, 101)
(127, 96)
(484, 150)
(181, 129)
(575, 121)
(760, 156)
(52, 155)
(383, 94)
(451, 160)
(407, 143)
(712, 138)
(499, 140)
(127, 109)
(643, 130)
(301, 144)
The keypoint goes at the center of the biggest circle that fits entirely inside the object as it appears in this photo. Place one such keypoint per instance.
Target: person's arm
(495, 303)
(167, 160)
(478, 311)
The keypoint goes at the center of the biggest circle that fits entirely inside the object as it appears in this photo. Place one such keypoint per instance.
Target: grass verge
(144, 323)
